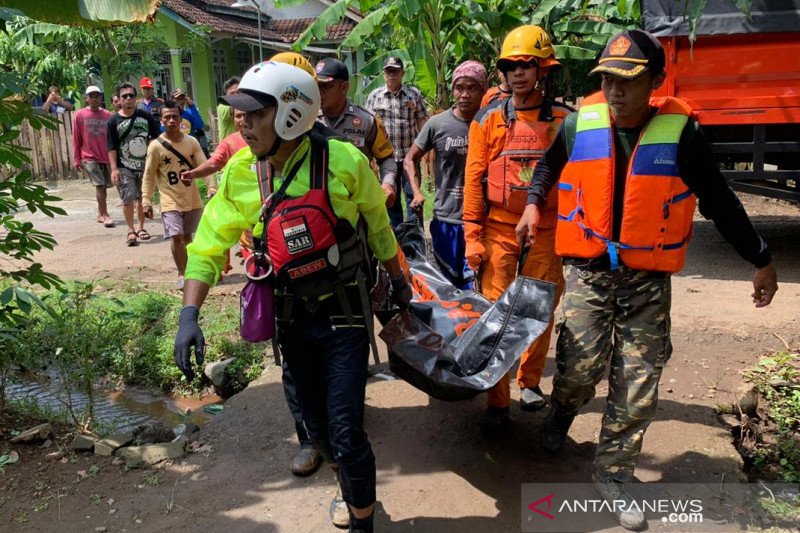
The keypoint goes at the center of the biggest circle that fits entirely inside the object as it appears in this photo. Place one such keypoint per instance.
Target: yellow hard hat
(295, 59)
(529, 41)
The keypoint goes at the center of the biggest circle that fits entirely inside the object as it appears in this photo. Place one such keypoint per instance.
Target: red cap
(146, 83)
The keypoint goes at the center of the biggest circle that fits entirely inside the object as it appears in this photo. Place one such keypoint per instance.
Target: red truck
(742, 77)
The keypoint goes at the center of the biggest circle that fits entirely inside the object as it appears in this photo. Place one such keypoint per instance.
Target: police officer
(361, 126)
(321, 317)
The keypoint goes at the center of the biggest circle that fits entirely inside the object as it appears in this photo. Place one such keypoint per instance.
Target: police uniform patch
(357, 122)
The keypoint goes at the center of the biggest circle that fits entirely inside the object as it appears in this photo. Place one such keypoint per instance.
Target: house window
(186, 73)
(220, 69)
(244, 59)
(163, 81)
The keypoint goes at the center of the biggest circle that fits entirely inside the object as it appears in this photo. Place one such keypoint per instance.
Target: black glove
(401, 292)
(189, 334)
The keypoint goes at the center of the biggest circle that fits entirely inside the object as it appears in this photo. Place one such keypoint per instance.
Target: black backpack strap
(269, 201)
(319, 161)
(121, 138)
(182, 158)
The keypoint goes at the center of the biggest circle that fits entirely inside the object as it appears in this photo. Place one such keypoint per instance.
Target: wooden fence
(50, 151)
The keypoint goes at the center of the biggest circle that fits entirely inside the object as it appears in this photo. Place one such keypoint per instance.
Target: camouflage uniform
(621, 315)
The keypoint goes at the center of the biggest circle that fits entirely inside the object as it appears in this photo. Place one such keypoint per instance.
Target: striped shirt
(400, 113)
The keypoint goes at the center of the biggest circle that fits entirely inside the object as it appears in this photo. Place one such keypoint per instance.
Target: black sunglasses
(510, 65)
(127, 96)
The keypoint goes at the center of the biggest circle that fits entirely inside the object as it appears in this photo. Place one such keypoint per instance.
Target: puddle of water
(123, 409)
(168, 409)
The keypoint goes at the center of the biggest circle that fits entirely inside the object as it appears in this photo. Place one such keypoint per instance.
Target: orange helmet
(294, 59)
(527, 42)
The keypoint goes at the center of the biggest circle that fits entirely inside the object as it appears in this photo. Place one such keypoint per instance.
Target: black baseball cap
(393, 62)
(330, 69)
(630, 54)
(246, 100)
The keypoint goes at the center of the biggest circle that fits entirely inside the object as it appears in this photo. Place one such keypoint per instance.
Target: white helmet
(294, 90)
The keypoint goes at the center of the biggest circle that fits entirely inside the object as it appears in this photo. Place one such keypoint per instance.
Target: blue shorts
(449, 248)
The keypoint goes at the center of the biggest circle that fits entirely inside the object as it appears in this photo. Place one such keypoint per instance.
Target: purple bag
(257, 303)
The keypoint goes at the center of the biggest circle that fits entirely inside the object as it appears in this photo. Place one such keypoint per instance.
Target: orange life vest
(657, 207)
(509, 175)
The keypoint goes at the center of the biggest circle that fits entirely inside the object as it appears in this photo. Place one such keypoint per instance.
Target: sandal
(142, 234)
(131, 240)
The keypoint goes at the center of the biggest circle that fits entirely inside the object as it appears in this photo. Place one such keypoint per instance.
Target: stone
(729, 420)
(215, 372)
(83, 443)
(150, 454)
(184, 430)
(152, 433)
(39, 433)
(109, 445)
(748, 402)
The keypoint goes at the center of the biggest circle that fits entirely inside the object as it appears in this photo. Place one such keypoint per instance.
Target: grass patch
(123, 334)
(777, 379)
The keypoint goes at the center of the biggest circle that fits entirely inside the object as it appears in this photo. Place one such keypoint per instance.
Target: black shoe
(306, 461)
(555, 429)
(494, 418)
(361, 525)
(627, 515)
(531, 399)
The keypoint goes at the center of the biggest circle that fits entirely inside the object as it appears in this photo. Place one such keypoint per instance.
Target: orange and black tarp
(454, 344)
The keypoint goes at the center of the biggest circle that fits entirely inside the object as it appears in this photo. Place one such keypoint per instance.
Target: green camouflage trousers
(621, 316)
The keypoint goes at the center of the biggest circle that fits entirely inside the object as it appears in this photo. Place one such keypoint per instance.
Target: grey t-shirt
(447, 135)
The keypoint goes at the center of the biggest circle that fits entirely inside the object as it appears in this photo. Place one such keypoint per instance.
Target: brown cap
(630, 54)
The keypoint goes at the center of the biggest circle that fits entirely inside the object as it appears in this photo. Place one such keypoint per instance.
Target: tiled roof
(290, 29)
(283, 30)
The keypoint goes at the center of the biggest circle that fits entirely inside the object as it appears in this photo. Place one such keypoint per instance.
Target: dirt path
(436, 471)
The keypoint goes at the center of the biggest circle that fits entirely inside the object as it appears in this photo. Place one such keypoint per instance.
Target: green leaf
(574, 52)
(695, 9)
(366, 28)
(408, 8)
(588, 27)
(744, 6)
(543, 10)
(425, 71)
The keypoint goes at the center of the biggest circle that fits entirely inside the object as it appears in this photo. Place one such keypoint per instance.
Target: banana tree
(435, 32)
(96, 13)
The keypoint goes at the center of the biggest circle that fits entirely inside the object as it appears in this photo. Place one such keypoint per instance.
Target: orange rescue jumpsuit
(491, 234)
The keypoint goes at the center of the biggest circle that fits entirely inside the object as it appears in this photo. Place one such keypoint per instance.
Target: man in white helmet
(317, 189)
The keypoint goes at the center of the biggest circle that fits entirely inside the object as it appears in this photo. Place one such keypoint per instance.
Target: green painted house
(232, 45)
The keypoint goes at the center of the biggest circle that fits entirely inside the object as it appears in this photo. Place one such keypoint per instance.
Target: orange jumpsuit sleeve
(474, 207)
